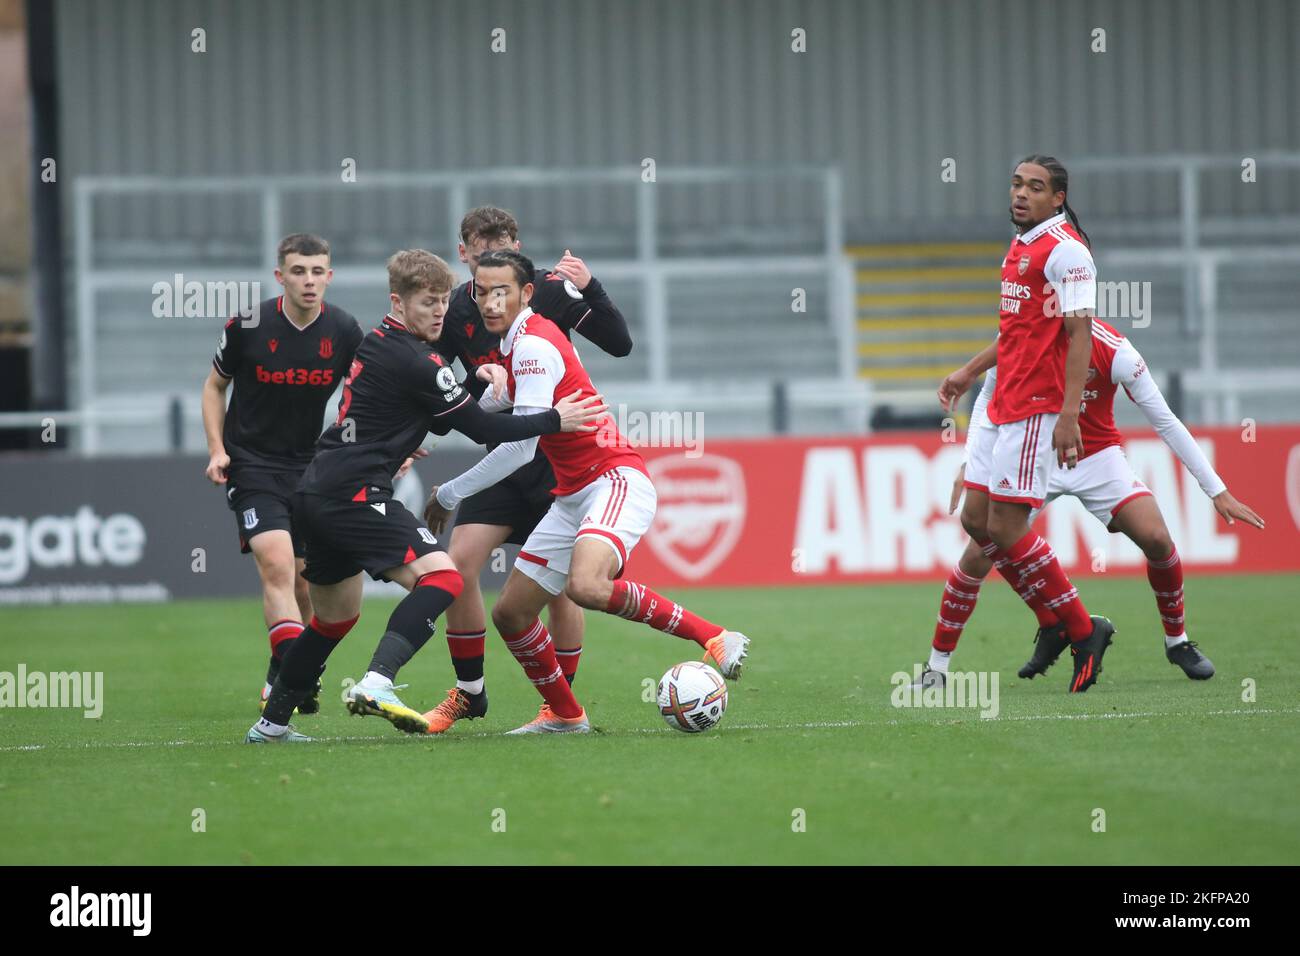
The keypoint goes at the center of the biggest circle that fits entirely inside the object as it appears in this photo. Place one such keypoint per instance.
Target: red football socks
(1034, 563)
(1031, 596)
(636, 602)
(955, 609)
(535, 653)
(1166, 579)
(568, 659)
(281, 634)
(467, 653)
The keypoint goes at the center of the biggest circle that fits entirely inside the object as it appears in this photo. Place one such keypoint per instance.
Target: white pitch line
(141, 744)
(1239, 712)
(812, 725)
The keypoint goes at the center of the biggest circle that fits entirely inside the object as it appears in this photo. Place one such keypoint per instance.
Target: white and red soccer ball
(692, 697)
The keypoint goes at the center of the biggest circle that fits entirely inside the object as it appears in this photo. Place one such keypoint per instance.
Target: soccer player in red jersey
(1049, 293)
(1108, 488)
(506, 513)
(604, 503)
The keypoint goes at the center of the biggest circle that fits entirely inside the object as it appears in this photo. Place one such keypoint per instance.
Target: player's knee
(1003, 533)
(975, 525)
(468, 558)
(1008, 523)
(588, 591)
(1158, 545)
(470, 591)
(279, 575)
(507, 620)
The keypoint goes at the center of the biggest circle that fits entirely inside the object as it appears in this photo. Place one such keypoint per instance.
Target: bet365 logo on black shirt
(297, 376)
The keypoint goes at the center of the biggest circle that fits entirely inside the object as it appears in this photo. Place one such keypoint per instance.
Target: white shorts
(1013, 462)
(1103, 482)
(617, 508)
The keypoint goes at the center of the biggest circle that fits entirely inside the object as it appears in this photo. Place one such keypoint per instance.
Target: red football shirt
(1047, 272)
(543, 368)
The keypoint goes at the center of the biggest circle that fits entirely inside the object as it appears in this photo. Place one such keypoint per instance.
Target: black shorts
(344, 537)
(260, 500)
(516, 502)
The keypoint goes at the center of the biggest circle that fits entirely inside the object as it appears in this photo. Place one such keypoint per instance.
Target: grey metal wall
(886, 89)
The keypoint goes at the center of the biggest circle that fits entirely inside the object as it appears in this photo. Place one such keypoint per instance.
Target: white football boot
(549, 722)
(378, 698)
(728, 651)
(290, 736)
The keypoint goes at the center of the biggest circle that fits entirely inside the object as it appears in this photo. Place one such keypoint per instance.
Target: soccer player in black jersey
(285, 361)
(574, 300)
(398, 389)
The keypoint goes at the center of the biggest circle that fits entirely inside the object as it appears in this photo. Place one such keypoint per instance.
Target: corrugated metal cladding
(887, 90)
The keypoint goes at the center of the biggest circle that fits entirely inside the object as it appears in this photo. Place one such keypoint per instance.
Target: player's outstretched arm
(570, 414)
(1232, 510)
(574, 414)
(497, 464)
(486, 428)
(601, 323)
(959, 382)
(214, 422)
(1128, 369)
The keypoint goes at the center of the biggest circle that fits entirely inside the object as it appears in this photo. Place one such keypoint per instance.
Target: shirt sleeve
(354, 337)
(495, 466)
(559, 300)
(589, 312)
(604, 325)
(229, 350)
(489, 429)
(435, 383)
(538, 368)
(1129, 369)
(488, 403)
(1073, 276)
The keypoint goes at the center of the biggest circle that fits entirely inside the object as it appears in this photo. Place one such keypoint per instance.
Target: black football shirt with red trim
(283, 379)
(399, 389)
(589, 311)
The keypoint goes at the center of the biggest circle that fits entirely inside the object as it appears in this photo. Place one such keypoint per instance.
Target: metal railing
(1189, 169)
(1218, 392)
(653, 270)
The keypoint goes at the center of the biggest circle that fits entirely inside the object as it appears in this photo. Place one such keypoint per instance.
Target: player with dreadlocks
(1049, 295)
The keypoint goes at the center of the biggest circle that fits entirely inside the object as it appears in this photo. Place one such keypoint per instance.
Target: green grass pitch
(1186, 773)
